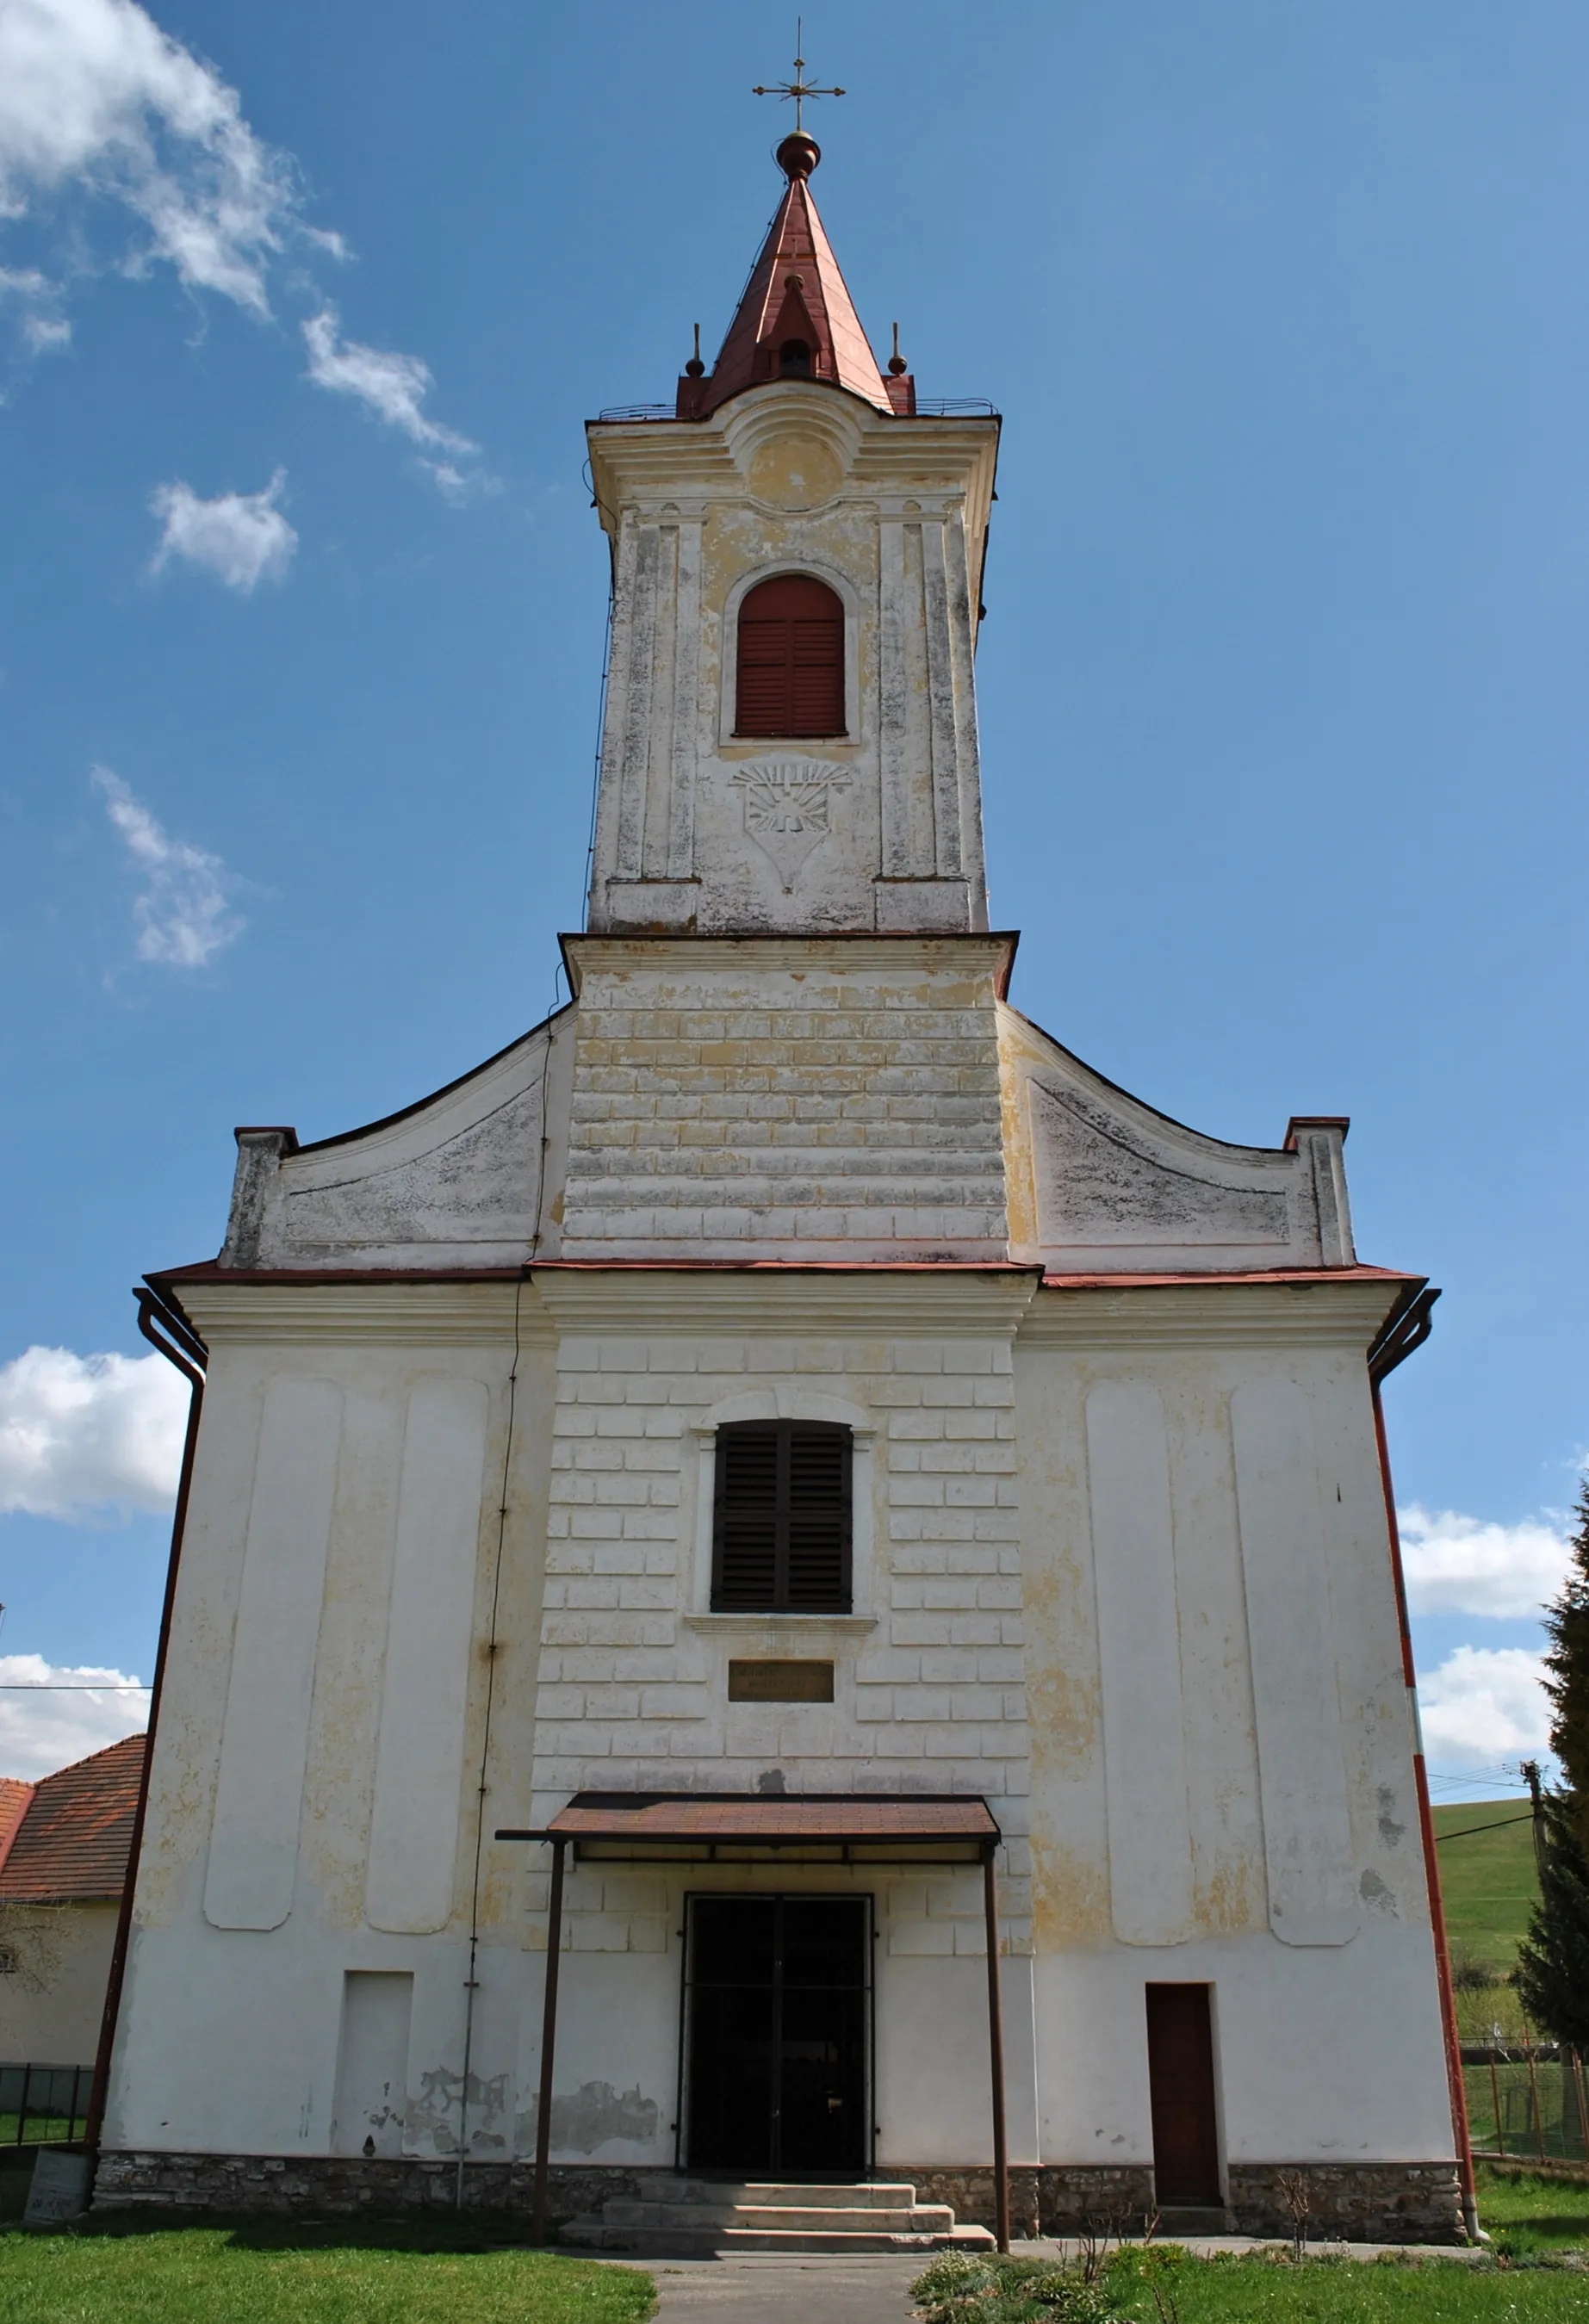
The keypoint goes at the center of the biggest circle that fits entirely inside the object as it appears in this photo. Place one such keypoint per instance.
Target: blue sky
(1282, 697)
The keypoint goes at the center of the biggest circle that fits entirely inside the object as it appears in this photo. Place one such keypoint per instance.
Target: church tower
(789, 803)
(784, 1624)
(790, 734)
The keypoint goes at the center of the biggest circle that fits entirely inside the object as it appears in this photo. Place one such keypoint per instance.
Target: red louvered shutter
(791, 660)
(781, 1518)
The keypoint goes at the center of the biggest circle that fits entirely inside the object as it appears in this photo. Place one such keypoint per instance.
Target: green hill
(1486, 1853)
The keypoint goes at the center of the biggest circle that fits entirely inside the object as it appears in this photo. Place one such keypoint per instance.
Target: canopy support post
(549, 2030)
(990, 1892)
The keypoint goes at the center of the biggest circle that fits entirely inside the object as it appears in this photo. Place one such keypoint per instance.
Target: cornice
(630, 457)
(869, 1303)
(1344, 1310)
(991, 954)
(367, 1314)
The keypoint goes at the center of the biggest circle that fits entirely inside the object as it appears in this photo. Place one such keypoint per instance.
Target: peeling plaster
(432, 2121)
(591, 2116)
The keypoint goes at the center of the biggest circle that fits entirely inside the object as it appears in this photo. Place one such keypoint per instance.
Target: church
(785, 1626)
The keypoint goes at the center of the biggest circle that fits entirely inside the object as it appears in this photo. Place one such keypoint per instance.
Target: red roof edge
(1358, 1273)
(15, 1799)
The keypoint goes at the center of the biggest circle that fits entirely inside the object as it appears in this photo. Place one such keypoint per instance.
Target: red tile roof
(15, 1798)
(72, 1844)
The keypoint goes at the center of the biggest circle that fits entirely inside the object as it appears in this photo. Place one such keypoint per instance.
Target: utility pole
(1530, 1771)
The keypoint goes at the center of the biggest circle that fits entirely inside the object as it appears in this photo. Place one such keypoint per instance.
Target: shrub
(991, 2288)
(1469, 1974)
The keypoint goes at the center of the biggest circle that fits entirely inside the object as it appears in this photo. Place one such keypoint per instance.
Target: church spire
(797, 320)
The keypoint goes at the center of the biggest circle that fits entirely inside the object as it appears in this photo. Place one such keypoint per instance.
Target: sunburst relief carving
(789, 808)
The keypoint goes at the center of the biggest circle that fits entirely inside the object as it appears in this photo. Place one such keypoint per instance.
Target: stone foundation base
(1359, 2203)
(340, 2184)
(1351, 2202)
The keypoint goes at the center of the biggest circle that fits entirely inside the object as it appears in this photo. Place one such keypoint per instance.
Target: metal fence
(43, 2105)
(1530, 2099)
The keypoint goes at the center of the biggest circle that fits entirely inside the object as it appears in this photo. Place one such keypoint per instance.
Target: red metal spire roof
(796, 298)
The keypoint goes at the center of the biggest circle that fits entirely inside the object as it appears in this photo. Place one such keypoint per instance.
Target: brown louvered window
(781, 1539)
(791, 659)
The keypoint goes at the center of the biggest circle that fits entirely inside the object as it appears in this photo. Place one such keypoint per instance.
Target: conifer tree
(1552, 1973)
(1566, 1624)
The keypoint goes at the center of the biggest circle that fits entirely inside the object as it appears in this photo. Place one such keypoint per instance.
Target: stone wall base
(1355, 2202)
(341, 2184)
(1361, 2202)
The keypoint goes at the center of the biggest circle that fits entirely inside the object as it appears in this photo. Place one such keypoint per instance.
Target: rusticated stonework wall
(814, 1101)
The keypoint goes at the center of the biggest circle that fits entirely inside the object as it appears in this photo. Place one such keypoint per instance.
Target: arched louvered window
(780, 1536)
(791, 659)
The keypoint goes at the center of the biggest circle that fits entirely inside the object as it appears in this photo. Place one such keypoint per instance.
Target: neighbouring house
(64, 1843)
(790, 1500)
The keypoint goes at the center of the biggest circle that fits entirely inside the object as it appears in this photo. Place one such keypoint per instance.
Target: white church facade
(781, 1472)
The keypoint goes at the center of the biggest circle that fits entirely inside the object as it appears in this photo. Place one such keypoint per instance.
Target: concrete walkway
(752, 2290)
(752, 2287)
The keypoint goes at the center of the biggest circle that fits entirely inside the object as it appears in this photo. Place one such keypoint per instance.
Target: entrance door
(776, 2031)
(1180, 2082)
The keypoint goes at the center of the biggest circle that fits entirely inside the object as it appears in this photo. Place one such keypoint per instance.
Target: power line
(1468, 1829)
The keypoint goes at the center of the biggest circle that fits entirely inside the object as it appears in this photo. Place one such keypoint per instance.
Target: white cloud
(461, 486)
(1457, 1565)
(47, 1721)
(1485, 1703)
(81, 1436)
(183, 910)
(393, 385)
(242, 538)
(36, 299)
(96, 100)
(93, 93)
(45, 334)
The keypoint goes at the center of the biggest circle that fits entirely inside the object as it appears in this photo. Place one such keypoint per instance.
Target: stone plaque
(802, 1682)
(60, 2187)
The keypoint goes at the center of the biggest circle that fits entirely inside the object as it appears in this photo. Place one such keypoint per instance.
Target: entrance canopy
(743, 1827)
(751, 1828)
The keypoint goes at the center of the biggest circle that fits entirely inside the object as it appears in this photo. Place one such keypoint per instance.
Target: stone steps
(703, 2216)
(901, 2219)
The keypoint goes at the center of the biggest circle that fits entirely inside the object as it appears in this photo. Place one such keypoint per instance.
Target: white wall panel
(1139, 1639)
(253, 1848)
(419, 1768)
(1302, 1774)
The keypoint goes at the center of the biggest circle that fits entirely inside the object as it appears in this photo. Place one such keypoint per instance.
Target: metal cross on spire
(799, 88)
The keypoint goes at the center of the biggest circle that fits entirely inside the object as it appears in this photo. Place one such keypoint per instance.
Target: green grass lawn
(1344, 2292)
(1530, 2215)
(122, 2270)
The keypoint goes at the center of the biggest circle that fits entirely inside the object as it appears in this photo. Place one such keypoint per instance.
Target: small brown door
(1180, 2082)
